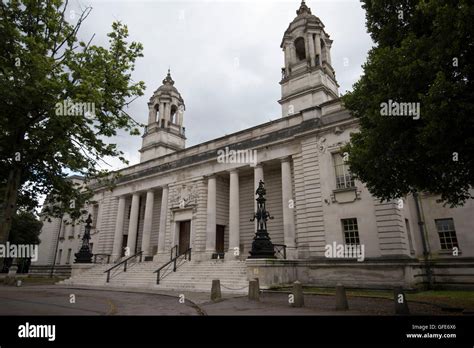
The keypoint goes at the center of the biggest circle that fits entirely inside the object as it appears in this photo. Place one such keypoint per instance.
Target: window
(300, 48)
(447, 234)
(344, 177)
(60, 254)
(173, 116)
(68, 260)
(351, 231)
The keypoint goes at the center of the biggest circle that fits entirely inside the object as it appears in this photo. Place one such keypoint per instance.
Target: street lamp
(262, 246)
(84, 255)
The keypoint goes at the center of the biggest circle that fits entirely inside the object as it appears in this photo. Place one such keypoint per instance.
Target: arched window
(173, 116)
(300, 48)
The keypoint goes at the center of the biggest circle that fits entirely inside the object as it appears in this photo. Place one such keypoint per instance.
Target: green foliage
(25, 229)
(42, 67)
(423, 54)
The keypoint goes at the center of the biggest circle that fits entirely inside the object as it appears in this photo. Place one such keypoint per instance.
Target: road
(35, 300)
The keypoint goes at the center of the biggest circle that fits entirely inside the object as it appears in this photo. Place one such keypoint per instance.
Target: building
(203, 197)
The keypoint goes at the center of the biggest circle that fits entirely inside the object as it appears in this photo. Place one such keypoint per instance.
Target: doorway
(124, 244)
(220, 239)
(184, 236)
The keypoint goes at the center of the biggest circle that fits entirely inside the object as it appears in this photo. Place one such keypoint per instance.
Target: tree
(423, 54)
(61, 99)
(25, 229)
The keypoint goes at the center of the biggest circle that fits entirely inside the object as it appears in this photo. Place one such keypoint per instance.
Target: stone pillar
(234, 213)
(118, 236)
(150, 197)
(167, 113)
(287, 57)
(211, 215)
(163, 216)
(133, 226)
(328, 54)
(317, 42)
(151, 114)
(312, 53)
(288, 211)
(162, 113)
(292, 52)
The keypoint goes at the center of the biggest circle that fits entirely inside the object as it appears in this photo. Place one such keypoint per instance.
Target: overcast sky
(225, 56)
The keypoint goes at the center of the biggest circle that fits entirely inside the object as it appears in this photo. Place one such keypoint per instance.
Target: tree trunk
(9, 203)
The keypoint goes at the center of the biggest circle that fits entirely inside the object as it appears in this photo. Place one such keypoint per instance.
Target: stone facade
(191, 198)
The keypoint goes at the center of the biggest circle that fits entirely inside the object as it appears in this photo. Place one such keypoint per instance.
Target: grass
(40, 280)
(449, 298)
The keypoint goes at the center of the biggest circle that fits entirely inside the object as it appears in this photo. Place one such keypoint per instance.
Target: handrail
(187, 256)
(95, 257)
(123, 262)
(276, 246)
(175, 248)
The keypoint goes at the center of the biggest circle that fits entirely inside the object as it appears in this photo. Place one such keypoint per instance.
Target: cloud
(225, 57)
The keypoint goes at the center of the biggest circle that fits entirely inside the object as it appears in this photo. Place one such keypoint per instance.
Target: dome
(168, 86)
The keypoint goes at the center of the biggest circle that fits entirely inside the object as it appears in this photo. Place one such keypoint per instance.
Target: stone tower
(308, 78)
(164, 133)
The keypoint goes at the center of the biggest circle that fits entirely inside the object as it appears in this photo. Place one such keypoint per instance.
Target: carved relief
(184, 195)
(322, 144)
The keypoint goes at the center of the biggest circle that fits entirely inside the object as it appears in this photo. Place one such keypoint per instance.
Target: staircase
(190, 276)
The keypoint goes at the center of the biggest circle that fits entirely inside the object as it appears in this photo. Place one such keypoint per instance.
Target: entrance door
(124, 244)
(220, 238)
(184, 236)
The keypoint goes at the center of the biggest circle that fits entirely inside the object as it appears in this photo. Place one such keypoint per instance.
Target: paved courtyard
(56, 300)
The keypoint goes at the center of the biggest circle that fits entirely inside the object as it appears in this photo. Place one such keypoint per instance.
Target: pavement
(56, 300)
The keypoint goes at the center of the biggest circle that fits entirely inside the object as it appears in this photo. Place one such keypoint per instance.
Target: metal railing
(124, 263)
(101, 257)
(174, 250)
(280, 251)
(187, 256)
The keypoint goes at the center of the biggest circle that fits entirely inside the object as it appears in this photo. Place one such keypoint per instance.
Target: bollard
(298, 295)
(254, 291)
(19, 283)
(401, 304)
(341, 298)
(216, 290)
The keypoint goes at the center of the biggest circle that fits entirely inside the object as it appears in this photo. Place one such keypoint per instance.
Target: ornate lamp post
(84, 255)
(262, 247)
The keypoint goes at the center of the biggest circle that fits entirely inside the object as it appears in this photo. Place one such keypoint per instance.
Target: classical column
(151, 114)
(133, 226)
(211, 215)
(163, 216)
(317, 41)
(118, 236)
(234, 214)
(328, 53)
(287, 197)
(287, 58)
(292, 52)
(312, 54)
(161, 110)
(150, 196)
